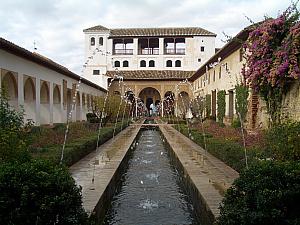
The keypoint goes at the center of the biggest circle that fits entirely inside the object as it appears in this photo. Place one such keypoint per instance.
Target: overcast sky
(56, 25)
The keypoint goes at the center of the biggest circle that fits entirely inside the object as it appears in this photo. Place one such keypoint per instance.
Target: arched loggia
(45, 103)
(29, 99)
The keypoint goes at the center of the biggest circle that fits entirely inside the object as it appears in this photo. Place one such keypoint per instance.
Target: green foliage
(283, 141)
(208, 105)
(268, 193)
(273, 60)
(221, 103)
(92, 118)
(236, 123)
(77, 148)
(230, 152)
(13, 136)
(241, 100)
(198, 106)
(38, 192)
(114, 107)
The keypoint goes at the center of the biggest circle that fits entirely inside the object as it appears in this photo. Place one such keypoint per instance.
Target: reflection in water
(151, 193)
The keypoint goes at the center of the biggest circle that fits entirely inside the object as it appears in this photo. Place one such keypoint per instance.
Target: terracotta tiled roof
(43, 61)
(154, 32)
(96, 28)
(152, 74)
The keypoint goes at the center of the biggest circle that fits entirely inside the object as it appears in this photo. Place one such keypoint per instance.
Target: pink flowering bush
(273, 58)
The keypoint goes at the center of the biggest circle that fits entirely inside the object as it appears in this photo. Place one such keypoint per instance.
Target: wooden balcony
(174, 51)
(123, 52)
(149, 51)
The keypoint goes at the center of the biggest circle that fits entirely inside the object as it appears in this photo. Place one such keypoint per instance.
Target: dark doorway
(230, 104)
(149, 101)
(213, 104)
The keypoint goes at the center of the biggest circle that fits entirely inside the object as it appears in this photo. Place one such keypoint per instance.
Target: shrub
(221, 106)
(37, 192)
(92, 118)
(230, 152)
(13, 136)
(267, 193)
(283, 141)
(208, 105)
(236, 123)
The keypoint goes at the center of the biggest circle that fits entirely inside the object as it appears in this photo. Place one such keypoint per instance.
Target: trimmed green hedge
(76, 150)
(228, 151)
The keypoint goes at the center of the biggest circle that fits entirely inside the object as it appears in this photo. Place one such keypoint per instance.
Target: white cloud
(57, 25)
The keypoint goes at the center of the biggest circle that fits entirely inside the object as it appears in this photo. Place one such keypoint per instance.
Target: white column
(162, 108)
(161, 46)
(20, 90)
(38, 100)
(135, 46)
(51, 102)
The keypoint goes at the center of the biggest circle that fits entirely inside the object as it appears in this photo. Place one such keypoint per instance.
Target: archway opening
(169, 103)
(56, 105)
(44, 104)
(184, 104)
(29, 100)
(150, 96)
(9, 83)
(78, 107)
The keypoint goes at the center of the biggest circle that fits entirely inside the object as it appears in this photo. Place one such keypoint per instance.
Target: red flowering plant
(273, 58)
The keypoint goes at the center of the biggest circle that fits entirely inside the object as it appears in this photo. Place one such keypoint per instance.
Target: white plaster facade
(101, 54)
(223, 76)
(43, 92)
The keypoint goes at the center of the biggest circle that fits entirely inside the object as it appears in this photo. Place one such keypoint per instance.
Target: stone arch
(69, 103)
(29, 99)
(44, 103)
(56, 104)
(169, 103)
(10, 85)
(149, 95)
(84, 106)
(184, 104)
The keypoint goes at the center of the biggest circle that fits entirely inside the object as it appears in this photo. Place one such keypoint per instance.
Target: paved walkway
(103, 163)
(210, 175)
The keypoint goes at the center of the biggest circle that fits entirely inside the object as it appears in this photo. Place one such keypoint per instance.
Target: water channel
(151, 191)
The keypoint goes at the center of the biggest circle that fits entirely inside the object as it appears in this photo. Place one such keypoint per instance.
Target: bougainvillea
(273, 58)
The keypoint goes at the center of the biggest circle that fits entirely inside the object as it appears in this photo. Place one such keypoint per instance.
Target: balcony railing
(149, 51)
(123, 52)
(174, 51)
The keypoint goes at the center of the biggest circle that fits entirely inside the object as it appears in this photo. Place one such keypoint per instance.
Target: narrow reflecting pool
(151, 191)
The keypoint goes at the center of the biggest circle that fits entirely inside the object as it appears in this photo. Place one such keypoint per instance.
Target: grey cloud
(57, 25)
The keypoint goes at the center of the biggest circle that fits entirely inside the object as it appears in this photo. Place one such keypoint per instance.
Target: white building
(44, 89)
(136, 49)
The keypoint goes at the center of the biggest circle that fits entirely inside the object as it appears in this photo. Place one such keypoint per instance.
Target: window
(169, 63)
(220, 71)
(92, 41)
(142, 63)
(199, 59)
(125, 63)
(151, 63)
(117, 63)
(202, 48)
(101, 41)
(177, 63)
(208, 80)
(214, 77)
(241, 54)
(96, 72)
